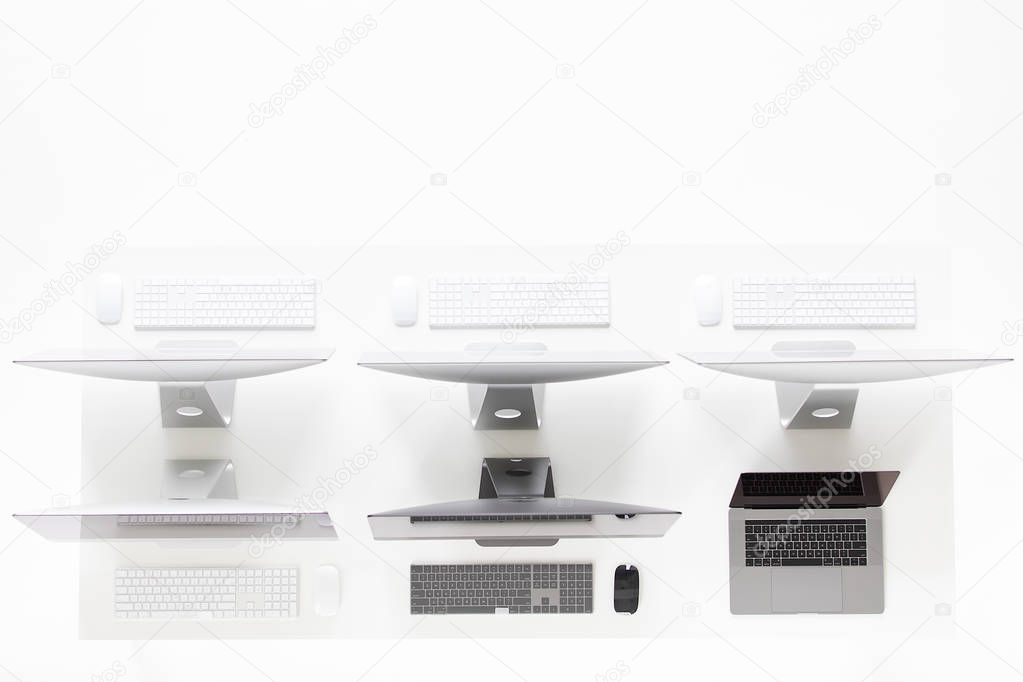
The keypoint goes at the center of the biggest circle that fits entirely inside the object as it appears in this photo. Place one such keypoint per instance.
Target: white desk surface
(637, 437)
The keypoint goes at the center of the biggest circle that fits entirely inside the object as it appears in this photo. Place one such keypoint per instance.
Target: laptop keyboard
(801, 484)
(818, 542)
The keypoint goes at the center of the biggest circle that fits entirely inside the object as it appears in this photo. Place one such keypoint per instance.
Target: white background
(135, 117)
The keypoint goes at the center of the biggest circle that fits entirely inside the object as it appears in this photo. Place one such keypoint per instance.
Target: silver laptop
(807, 542)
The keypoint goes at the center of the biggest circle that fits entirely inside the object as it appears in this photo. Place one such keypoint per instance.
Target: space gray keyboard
(501, 588)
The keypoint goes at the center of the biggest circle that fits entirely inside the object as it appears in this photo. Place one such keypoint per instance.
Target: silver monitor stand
(506, 406)
(197, 404)
(815, 406)
(198, 479)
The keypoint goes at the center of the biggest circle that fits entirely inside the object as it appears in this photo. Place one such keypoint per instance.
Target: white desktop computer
(158, 520)
(517, 506)
(196, 378)
(199, 498)
(812, 379)
(199, 501)
(506, 382)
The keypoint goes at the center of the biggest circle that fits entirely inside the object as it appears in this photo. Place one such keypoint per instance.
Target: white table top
(675, 436)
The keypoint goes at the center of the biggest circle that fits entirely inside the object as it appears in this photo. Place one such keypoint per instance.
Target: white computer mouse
(707, 300)
(404, 301)
(109, 293)
(326, 590)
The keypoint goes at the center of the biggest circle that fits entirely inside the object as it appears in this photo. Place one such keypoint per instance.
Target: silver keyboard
(226, 303)
(206, 593)
(819, 302)
(510, 301)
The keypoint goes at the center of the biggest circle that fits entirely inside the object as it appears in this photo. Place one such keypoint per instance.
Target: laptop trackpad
(806, 590)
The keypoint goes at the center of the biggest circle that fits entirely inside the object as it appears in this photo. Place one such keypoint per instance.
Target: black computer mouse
(626, 589)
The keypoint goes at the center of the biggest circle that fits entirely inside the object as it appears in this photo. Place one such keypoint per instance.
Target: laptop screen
(824, 489)
(801, 483)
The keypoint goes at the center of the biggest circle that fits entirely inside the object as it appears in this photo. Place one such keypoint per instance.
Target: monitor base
(197, 404)
(516, 478)
(198, 479)
(513, 542)
(814, 406)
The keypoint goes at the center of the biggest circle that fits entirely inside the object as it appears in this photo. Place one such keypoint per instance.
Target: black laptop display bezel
(876, 486)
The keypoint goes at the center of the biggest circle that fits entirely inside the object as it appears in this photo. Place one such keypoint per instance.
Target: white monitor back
(843, 366)
(496, 366)
(177, 363)
(147, 520)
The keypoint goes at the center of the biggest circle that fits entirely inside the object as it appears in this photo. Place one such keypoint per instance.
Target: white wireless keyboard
(206, 593)
(819, 302)
(226, 303)
(500, 301)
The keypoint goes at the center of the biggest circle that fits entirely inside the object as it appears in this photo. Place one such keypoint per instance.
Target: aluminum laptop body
(807, 542)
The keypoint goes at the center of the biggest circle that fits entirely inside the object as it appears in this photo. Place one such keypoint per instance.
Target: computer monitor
(506, 381)
(199, 502)
(196, 378)
(800, 368)
(517, 507)
(179, 520)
